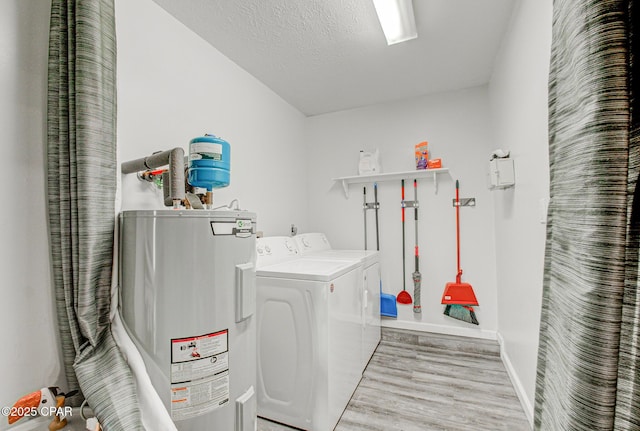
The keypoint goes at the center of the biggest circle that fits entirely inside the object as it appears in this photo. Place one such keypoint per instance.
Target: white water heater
(188, 298)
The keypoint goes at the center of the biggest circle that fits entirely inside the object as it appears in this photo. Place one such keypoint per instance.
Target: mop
(403, 296)
(417, 277)
(458, 296)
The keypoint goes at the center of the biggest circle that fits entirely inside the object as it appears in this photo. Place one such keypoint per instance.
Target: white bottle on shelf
(369, 163)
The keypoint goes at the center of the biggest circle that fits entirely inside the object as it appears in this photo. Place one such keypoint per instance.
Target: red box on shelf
(434, 163)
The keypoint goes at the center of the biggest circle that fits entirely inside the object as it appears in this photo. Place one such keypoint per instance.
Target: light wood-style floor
(422, 382)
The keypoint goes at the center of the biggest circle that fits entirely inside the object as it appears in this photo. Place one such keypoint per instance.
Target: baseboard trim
(527, 406)
(439, 329)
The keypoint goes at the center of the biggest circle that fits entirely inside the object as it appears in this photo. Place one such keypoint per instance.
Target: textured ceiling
(330, 55)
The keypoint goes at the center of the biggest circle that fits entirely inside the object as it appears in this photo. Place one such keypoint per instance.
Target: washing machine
(309, 335)
(316, 245)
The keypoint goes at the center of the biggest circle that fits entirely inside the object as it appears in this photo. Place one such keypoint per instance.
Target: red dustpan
(458, 293)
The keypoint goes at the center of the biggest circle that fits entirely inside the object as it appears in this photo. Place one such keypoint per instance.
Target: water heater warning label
(199, 374)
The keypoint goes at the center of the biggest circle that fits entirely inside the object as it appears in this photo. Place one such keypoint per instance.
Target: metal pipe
(166, 189)
(175, 159)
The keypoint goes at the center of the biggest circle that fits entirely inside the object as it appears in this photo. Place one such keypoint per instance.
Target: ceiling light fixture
(397, 20)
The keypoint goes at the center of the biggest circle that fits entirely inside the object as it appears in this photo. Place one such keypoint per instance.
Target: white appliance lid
(365, 256)
(308, 269)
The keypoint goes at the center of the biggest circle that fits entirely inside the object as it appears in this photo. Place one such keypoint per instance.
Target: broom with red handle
(458, 296)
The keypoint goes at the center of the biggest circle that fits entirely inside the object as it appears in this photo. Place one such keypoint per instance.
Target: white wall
(518, 93)
(173, 86)
(457, 127)
(30, 356)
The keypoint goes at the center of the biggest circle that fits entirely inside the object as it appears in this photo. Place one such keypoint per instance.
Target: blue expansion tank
(209, 162)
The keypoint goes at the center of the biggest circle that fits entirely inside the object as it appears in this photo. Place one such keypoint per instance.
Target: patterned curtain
(589, 360)
(81, 158)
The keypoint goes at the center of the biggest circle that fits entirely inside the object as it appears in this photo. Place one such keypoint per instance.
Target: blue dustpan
(388, 307)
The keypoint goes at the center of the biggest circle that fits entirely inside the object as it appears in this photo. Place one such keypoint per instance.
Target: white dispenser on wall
(501, 173)
(187, 283)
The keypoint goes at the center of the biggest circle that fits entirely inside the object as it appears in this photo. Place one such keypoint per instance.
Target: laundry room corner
(456, 125)
(311, 285)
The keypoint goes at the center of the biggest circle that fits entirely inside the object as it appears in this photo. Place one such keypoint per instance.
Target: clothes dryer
(309, 336)
(316, 245)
